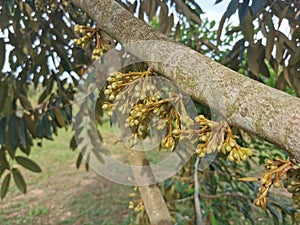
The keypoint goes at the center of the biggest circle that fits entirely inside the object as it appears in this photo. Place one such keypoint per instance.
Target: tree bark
(266, 112)
(154, 203)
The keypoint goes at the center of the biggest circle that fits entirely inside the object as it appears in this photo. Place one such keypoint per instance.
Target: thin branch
(196, 194)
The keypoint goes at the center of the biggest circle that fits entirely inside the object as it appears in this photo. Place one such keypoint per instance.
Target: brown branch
(250, 105)
(155, 205)
(205, 196)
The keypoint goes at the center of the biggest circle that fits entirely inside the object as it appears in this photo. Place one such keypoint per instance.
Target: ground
(61, 194)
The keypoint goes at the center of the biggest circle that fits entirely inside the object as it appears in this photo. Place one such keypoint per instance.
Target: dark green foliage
(5, 185)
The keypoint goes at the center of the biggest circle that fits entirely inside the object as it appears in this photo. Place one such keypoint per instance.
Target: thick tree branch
(245, 103)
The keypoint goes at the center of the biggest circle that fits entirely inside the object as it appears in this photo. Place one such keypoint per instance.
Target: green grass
(61, 194)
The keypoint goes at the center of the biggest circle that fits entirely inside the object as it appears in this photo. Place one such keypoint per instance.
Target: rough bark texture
(155, 205)
(245, 103)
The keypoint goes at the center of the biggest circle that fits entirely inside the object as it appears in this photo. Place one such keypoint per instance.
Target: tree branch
(155, 205)
(247, 104)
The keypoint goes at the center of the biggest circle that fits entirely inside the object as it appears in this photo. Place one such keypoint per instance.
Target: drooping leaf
(9, 7)
(22, 132)
(3, 93)
(60, 117)
(232, 7)
(295, 59)
(5, 185)
(30, 123)
(220, 28)
(256, 6)
(19, 180)
(87, 162)
(286, 76)
(152, 9)
(28, 164)
(2, 130)
(247, 28)
(270, 44)
(163, 17)
(2, 53)
(25, 101)
(132, 7)
(187, 11)
(80, 157)
(243, 10)
(279, 49)
(7, 93)
(12, 137)
(143, 9)
(73, 143)
(177, 31)
(283, 14)
(4, 164)
(252, 57)
(47, 127)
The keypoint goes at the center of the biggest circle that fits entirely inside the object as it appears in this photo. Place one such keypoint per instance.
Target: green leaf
(59, 117)
(190, 191)
(43, 96)
(178, 187)
(252, 59)
(232, 7)
(3, 95)
(168, 183)
(47, 127)
(73, 143)
(214, 220)
(19, 180)
(25, 101)
(243, 11)
(247, 28)
(39, 129)
(3, 159)
(23, 135)
(9, 7)
(80, 157)
(87, 163)
(12, 137)
(256, 6)
(5, 185)
(2, 53)
(2, 130)
(28, 164)
(2, 169)
(31, 125)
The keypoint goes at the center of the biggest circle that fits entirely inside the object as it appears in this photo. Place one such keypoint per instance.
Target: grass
(61, 194)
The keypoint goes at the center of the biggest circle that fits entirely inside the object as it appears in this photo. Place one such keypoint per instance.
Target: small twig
(196, 193)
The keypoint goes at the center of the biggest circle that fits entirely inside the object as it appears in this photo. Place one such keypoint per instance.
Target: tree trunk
(155, 205)
(250, 105)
